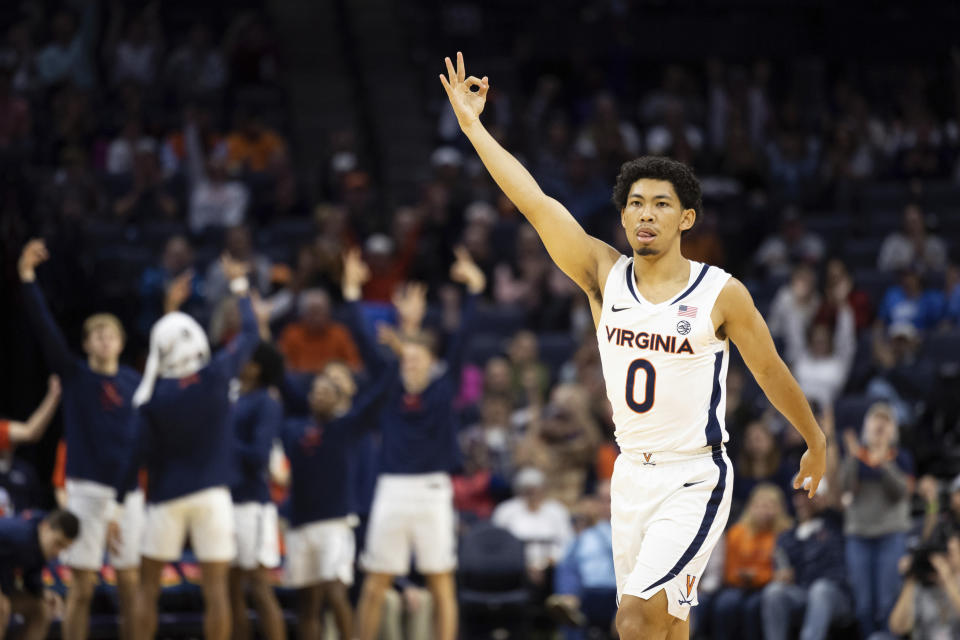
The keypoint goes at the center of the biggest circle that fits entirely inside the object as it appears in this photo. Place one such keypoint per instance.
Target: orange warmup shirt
(748, 552)
(308, 351)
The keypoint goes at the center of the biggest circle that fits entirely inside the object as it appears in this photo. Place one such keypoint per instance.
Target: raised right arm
(54, 344)
(585, 259)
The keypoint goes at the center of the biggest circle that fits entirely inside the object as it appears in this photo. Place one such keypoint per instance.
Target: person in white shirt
(543, 524)
(215, 200)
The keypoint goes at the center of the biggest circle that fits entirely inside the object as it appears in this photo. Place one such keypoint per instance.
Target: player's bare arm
(737, 318)
(36, 424)
(585, 259)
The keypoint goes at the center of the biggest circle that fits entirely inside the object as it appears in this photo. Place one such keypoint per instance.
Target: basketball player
(100, 431)
(663, 325)
(187, 445)
(412, 511)
(320, 542)
(257, 416)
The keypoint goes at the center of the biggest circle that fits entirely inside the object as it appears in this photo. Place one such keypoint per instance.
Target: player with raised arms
(663, 325)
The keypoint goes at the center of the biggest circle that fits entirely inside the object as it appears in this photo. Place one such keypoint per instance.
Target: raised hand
(233, 268)
(34, 253)
(467, 104)
(466, 271)
(411, 303)
(355, 274)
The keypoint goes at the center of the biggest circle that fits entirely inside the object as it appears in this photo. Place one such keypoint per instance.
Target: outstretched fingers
(451, 72)
(461, 69)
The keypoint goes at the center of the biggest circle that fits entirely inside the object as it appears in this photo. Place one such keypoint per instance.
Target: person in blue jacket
(100, 432)
(187, 447)
(412, 513)
(26, 545)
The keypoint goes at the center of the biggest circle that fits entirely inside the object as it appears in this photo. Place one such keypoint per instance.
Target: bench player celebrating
(100, 431)
(663, 326)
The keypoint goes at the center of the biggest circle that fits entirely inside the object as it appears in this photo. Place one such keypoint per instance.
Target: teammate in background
(187, 447)
(320, 542)
(100, 431)
(257, 416)
(26, 546)
(665, 366)
(413, 505)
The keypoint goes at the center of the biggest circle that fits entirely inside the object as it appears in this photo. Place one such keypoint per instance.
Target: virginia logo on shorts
(646, 459)
(691, 580)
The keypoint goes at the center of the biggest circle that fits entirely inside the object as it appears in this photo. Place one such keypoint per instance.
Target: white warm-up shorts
(258, 539)
(91, 502)
(206, 515)
(411, 515)
(321, 551)
(668, 512)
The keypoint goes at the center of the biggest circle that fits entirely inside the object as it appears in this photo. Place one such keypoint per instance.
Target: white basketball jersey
(663, 365)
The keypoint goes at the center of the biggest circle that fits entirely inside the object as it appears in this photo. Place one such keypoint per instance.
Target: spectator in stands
(908, 303)
(584, 584)
(793, 160)
(253, 147)
(810, 589)
(748, 563)
(877, 480)
(913, 247)
(252, 50)
(18, 485)
(215, 200)
(525, 364)
(15, 119)
(543, 524)
(26, 546)
(839, 285)
(238, 244)
(135, 55)
(820, 361)
(123, 150)
(797, 299)
(67, 57)
(495, 433)
(313, 341)
(176, 260)
(196, 67)
(562, 442)
(940, 524)
(759, 463)
(148, 199)
(929, 602)
(792, 244)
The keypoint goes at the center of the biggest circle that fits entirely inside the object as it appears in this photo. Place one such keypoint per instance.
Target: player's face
(323, 396)
(52, 541)
(653, 217)
(104, 343)
(415, 364)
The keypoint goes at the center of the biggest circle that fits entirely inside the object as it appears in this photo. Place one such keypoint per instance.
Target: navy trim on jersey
(703, 272)
(629, 273)
(714, 439)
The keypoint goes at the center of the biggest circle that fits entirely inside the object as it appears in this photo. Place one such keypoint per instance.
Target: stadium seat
(943, 348)
(492, 578)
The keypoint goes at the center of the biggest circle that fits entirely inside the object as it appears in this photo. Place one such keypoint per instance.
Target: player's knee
(82, 586)
(375, 585)
(642, 619)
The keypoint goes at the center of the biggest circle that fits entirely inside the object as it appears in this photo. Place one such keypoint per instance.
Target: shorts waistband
(655, 457)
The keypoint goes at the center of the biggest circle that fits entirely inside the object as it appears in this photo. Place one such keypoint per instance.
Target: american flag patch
(687, 311)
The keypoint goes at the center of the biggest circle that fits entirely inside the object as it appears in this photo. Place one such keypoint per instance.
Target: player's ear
(623, 218)
(687, 218)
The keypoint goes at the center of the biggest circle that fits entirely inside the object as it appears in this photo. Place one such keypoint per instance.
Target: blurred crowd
(143, 148)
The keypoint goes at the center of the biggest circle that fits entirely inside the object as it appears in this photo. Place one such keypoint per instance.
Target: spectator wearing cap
(315, 339)
(810, 590)
(876, 479)
(913, 247)
(543, 524)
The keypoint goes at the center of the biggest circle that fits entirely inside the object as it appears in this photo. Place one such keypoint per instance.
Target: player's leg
(211, 526)
(639, 619)
(216, 600)
(76, 615)
(272, 625)
(310, 610)
(147, 596)
(443, 590)
(370, 609)
(128, 582)
(339, 601)
(238, 603)
(36, 615)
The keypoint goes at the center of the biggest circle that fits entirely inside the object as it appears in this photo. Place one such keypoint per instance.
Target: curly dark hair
(658, 168)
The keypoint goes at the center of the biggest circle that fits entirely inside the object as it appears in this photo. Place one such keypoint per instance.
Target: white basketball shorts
(91, 503)
(412, 515)
(258, 539)
(321, 551)
(668, 512)
(207, 515)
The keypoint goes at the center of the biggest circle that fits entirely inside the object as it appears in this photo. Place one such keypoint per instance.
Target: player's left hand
(813, 465)
(465, 271)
